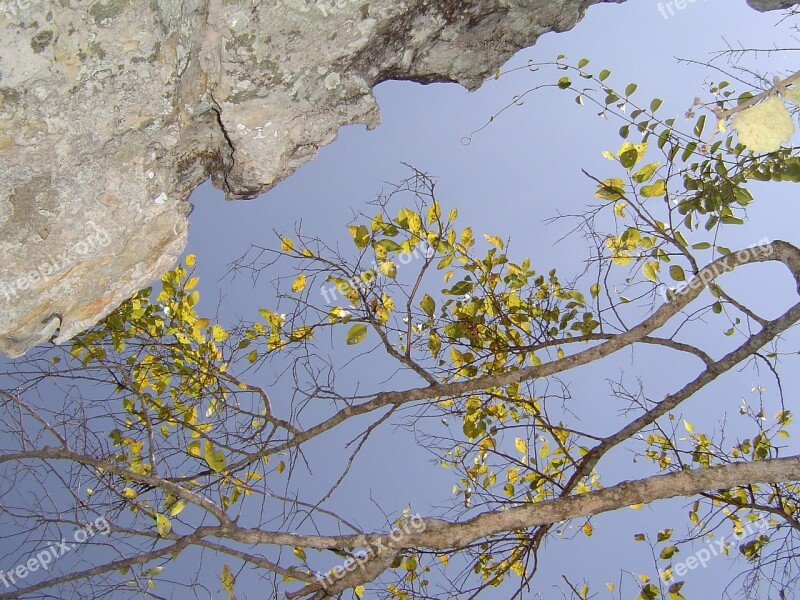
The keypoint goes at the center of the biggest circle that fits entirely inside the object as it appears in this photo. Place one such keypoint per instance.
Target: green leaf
(646, 173)
(677, 274)
(428, 305)
(653, 190)
(356, 334)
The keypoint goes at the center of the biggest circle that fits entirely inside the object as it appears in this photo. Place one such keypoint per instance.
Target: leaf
(677, 274)
(646, 173)
(280, 467)
(765, 126)
(587, 529)
(664, 535)
(190, 260)
(360, 235)
(619, 209)
(659, 188)
(388, 268)
(610, 189)
(163, 526)
(434, 343)
(129, 493)
(650, 270)
(689, 427)
(359, 591)
(299, 283)
(228, 579)
(521, 445)
(287, 245)
(177, 508)
(594, 290)
(214, 458)
(300, 553)
(492, 239)
(668, 552)
(356, 334)
(428, 305)
(218, 333)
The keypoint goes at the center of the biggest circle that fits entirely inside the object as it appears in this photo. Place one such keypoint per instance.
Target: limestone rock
(113, 111)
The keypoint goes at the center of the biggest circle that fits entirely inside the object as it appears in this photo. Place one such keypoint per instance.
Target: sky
(510, 180)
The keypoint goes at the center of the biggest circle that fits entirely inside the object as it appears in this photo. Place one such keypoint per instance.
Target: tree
(167, 447)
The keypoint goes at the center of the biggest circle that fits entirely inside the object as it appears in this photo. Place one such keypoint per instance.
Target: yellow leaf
(300, 553)
(287, 245)
(587, 529)
(619, 209)
(299, 283)
(765, 126)
(218, 333)
(190, 260)
(359, 591)
(560, 353)
(689, 427)
(650, 270)
(493, 239)
(388, 268)
(227, 578)
(163, 526)
(214, 459)
(129, 493)
(433, 213)
(281, 466)
(177, 507)
(521, 445)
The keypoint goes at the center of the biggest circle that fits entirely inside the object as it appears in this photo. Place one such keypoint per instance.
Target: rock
(113, 111)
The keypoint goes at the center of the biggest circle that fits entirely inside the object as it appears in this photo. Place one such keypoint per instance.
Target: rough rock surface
(113, 111)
